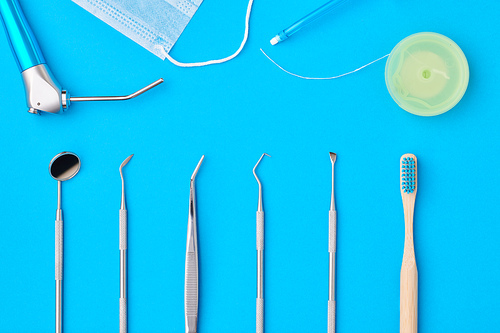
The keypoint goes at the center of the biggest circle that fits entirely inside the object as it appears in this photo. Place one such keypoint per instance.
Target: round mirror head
(64, 166)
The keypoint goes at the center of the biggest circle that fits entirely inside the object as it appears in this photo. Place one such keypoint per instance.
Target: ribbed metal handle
(191, 285)
(59, 250)
(123, 229)
(260, 272)
(123, 270)
(260, 230)
(260, 315)
(123, 315)
(332, 249)
(191, 292)
(332, 232)
(331, 316)
(58, 271)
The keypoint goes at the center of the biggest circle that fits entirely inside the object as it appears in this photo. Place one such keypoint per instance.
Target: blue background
(233, 113)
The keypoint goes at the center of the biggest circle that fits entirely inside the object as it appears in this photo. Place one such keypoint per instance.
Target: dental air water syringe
(43, 92)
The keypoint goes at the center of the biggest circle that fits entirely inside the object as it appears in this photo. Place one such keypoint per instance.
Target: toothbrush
(409, 275)
(332, 249)
(123, 254)
(191, 272)
(260, 256)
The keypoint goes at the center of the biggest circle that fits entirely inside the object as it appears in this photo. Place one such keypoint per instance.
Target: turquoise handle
(21, 39)
(312, 16)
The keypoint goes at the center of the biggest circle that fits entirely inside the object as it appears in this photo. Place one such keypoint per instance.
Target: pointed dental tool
(332, 250)
(43, 92)
(191, 270)
(260, 256)
(123, 254)
(63, 166)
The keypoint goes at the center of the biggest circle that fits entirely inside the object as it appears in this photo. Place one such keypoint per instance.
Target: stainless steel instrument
(191, 272)
(332, 250)
(63, 166)
(123, 254)
(43, 92)
(260, 256)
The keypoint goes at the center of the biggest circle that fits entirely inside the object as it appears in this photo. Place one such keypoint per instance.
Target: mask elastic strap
(218, 61)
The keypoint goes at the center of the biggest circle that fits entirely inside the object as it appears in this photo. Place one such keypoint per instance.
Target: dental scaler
(43, 92)
(260, 255)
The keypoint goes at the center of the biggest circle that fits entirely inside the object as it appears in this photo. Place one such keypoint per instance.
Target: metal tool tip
(333, 157)
(260, 159)
(197, 167)
(126, 161)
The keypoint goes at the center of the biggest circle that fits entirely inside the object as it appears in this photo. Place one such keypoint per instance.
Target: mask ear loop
(218, 61)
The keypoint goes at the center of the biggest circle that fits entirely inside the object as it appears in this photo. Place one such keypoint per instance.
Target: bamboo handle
(408, 296)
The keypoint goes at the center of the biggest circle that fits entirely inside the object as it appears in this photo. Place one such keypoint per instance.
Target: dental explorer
(123, 253)
(332, 249)
(43, 92)
(260, 256)
(63, 166)
(191, 270)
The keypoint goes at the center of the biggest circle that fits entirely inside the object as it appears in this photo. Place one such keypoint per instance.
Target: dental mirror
(63, 166)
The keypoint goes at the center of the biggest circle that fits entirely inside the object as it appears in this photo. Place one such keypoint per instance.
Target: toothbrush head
(408, 174)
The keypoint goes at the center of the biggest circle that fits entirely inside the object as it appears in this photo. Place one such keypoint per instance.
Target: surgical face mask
(154, 24)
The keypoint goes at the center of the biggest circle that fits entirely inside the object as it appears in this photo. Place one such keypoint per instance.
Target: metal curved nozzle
(116, 98)
(123, 206)
(258, 181)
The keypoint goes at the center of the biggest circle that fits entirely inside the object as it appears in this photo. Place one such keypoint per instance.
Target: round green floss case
(426, 74)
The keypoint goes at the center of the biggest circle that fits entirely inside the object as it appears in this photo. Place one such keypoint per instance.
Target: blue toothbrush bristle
(408, 175)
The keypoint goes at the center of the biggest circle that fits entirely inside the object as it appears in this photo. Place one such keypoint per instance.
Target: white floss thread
(218, 61)
(323, 78)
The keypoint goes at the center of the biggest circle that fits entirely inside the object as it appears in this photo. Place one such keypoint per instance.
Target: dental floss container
(426, 74)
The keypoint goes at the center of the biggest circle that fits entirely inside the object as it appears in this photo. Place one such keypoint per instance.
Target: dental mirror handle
(20, 36)
(59, 269)
(59, 259)
(123, 271)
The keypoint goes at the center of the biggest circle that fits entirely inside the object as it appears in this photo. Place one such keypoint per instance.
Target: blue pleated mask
(154, 24)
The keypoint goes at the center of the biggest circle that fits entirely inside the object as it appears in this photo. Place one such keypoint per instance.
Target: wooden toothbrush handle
(408, 297)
